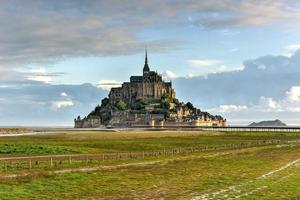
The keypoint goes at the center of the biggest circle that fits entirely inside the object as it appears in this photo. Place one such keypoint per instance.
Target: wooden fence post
(70, 160)
(51, 162)
(30, 164)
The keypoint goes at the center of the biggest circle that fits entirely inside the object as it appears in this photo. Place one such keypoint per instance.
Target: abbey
(148, 86)
(146, 100)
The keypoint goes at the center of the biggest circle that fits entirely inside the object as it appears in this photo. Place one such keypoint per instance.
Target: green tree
(165, 105)
(104, 102)
(176, 101)
(165, 101)
(138, 105)
(190, 105)
(165, 96)
(121, 105)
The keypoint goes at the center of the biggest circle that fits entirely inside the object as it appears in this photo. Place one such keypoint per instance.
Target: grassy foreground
(264, 172)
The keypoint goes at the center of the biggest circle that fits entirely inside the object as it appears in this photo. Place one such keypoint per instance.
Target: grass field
(257, 172)
(12, 130)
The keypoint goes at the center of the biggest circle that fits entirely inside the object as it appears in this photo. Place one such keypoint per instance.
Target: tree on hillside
(121, 105)
(165, 96)
(190, 105)
(104, 102)
(176, 101)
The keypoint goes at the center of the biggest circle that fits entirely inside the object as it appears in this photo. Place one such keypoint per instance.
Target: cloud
(209, 66)
(266, 85)
(293, 47)
(33, 103)
(232, 108)
(244, 86)
(64, 94)
(293, 95)
(61, 104)
(294, 109)
(169, 75)
(45, 32)
(269, 103)
(226, 14)
(108, 84)
(31, 31)
(202, 62)
(223, 68)
(33, 34)
(41, 75)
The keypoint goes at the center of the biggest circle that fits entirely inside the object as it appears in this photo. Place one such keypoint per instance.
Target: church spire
(146, 57)
(146, 66)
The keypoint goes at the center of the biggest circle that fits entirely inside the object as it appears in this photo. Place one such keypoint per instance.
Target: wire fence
(53, 161)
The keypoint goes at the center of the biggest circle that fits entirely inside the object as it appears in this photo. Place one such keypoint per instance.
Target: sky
(239, 59)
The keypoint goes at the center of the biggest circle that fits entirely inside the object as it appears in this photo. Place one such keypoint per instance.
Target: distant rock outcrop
(270, 123)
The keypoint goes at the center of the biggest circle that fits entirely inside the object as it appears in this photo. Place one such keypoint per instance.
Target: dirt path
(235, 191)
(27, 133)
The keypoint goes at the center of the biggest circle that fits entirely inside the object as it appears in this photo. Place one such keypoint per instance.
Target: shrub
(104, 102)
(190, 105)
(165, 105)
(121, 105)
(138, 105)
(176, 101)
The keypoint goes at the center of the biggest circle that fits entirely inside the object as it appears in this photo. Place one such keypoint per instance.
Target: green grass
(170, 179)
(127, 142)
(16, 148)
(181, 176)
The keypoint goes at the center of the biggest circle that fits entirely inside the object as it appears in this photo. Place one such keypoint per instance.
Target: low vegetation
(12, 130)
(262, 172)
(32, 149)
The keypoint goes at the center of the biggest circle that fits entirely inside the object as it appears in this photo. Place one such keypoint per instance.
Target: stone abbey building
(148, 86)
(146, 100)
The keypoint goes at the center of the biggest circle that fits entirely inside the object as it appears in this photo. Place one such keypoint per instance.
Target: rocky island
(146, 100)
(270, 123)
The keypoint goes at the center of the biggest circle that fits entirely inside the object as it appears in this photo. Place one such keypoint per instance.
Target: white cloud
(40, 75)
(108, 29)
(61, 104)
(202, 62)
(64, 94)
(249, 13)
(224, 68)
(288, 103)
(169, 75)
(293, 47)
(108, 84)
(294, 109)
(293, 95)
(269, 103)
(232, 108)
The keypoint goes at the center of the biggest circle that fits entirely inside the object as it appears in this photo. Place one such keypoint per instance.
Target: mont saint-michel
(146, 100)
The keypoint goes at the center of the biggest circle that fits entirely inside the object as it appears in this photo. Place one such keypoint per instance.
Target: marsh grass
(171, 179)
(109, 142)
(180, 176)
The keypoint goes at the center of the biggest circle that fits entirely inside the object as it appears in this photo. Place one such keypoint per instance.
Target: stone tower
(146, 68)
